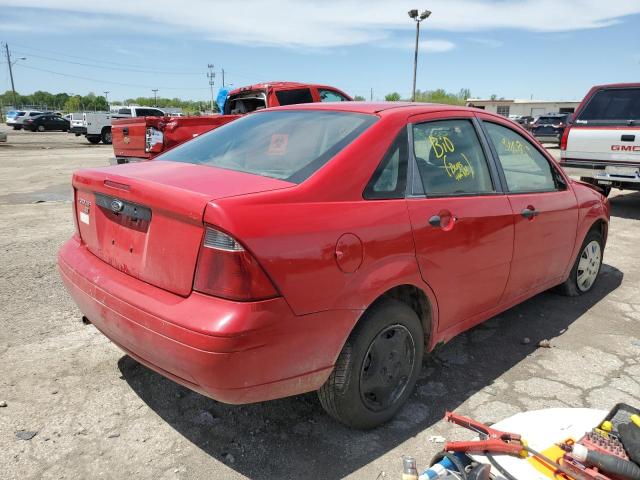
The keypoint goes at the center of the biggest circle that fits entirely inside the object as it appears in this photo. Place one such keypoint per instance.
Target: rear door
(607, 127)
(545, 212)
(462, 222)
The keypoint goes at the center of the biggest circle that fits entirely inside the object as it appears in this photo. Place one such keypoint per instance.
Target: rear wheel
(378, 367)
(17, 127)
(41, 128)
(586, 268)
(106, 136)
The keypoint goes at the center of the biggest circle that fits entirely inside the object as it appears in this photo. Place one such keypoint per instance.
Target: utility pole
(223, 78)
(418, 18)
(106, 97)
(371, 95)
(13, 88)
(211, 76)
(155, 96)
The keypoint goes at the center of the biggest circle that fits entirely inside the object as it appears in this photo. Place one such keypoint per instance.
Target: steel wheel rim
(387, 367)
(589, 265)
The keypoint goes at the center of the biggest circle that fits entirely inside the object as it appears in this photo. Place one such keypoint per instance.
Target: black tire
(572, 287)
(40, 128)
(17, 127)
(390, 327)
(93, 140)
(106, 136)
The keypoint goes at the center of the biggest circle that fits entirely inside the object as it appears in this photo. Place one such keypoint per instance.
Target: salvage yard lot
(98, 414)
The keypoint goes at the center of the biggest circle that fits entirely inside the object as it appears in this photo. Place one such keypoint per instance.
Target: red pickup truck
(143, 138)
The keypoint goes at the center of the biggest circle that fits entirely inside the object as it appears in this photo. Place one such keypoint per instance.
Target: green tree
(359, 98)
(73, 104)
(392, 97)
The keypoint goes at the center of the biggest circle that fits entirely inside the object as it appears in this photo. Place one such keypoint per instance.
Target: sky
(541, 49)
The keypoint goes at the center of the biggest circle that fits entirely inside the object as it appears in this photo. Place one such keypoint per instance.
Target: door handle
(125, 131)
(628, 138)
(435, 221)
(529, 213)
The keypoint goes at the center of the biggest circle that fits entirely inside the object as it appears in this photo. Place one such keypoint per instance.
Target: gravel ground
(77, 407)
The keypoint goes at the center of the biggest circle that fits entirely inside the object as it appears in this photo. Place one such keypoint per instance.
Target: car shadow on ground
(294, 438)
(626, 205)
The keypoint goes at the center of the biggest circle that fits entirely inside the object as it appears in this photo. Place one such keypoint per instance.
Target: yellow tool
(607, 426)
(636, 420)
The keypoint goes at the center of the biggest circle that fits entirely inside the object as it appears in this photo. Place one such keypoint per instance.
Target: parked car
(602, 144)
(12, 118)
(326, 247)
(19, 121)
(526, 121)
(46, 122)
(549, 128)
(139, 139)
(97, 125)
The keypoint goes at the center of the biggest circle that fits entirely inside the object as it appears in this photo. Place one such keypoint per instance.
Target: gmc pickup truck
(139, 139)
(601, 145)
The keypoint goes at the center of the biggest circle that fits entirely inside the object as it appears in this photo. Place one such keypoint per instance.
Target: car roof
(410, 108)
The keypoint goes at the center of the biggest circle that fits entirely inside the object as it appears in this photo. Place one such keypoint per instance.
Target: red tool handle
(481, 446)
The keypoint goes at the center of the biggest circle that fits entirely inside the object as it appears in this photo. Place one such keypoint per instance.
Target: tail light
(154, 140)
(225, 269)
(565, 135)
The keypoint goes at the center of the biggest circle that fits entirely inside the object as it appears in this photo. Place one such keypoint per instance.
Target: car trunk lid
(145, 219)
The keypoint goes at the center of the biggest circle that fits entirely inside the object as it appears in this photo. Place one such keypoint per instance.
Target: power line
(108, 81)
(107, 67)
(67, 55)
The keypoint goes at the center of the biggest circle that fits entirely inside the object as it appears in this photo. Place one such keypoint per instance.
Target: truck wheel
(106, 136)
(378, 367)
(586, 268)
(93, 140)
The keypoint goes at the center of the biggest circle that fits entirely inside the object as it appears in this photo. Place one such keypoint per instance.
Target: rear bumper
(78, 130)
(548, 138)
(598, 171)
(233, 352)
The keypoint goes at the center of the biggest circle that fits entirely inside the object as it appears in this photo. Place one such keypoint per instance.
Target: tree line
(439, 95)
(69, 103)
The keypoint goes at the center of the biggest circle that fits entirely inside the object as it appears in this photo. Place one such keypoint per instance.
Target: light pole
(211, 75)
(106, 96)
(418, 18)
(155, 96)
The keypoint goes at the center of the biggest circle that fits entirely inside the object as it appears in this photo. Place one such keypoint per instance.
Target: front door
(462, 223)
(544, 208)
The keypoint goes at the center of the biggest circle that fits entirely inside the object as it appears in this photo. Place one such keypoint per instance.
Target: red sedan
(326, 247)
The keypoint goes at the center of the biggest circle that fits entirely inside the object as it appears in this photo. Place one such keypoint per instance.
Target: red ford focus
(326, 247)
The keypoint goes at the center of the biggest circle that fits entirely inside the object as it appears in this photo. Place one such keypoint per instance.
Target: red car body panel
(329, 253)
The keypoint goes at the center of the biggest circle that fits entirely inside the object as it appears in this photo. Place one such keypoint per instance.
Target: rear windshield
(612, 106)
(287, 145)
(550, 120)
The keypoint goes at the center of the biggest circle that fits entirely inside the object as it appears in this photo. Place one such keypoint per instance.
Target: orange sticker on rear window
(278, 145)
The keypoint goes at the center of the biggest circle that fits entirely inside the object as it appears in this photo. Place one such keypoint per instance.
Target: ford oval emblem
(117, 205)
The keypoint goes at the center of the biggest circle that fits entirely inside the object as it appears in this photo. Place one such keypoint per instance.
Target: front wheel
(378, 367)
(586, 268)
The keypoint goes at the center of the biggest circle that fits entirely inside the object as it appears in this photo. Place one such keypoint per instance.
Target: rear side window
(525, 168)
(450, 159)
(288, 145)
(390, 178)
(611, 107)
(295, 96)
(148, 112)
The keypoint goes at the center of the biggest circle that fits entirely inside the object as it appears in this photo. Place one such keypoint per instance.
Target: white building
(533, 108)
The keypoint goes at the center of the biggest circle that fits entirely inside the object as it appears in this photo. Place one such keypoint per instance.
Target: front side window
(288, 145)
(331, 96)
(450, 159)
(525, 168)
